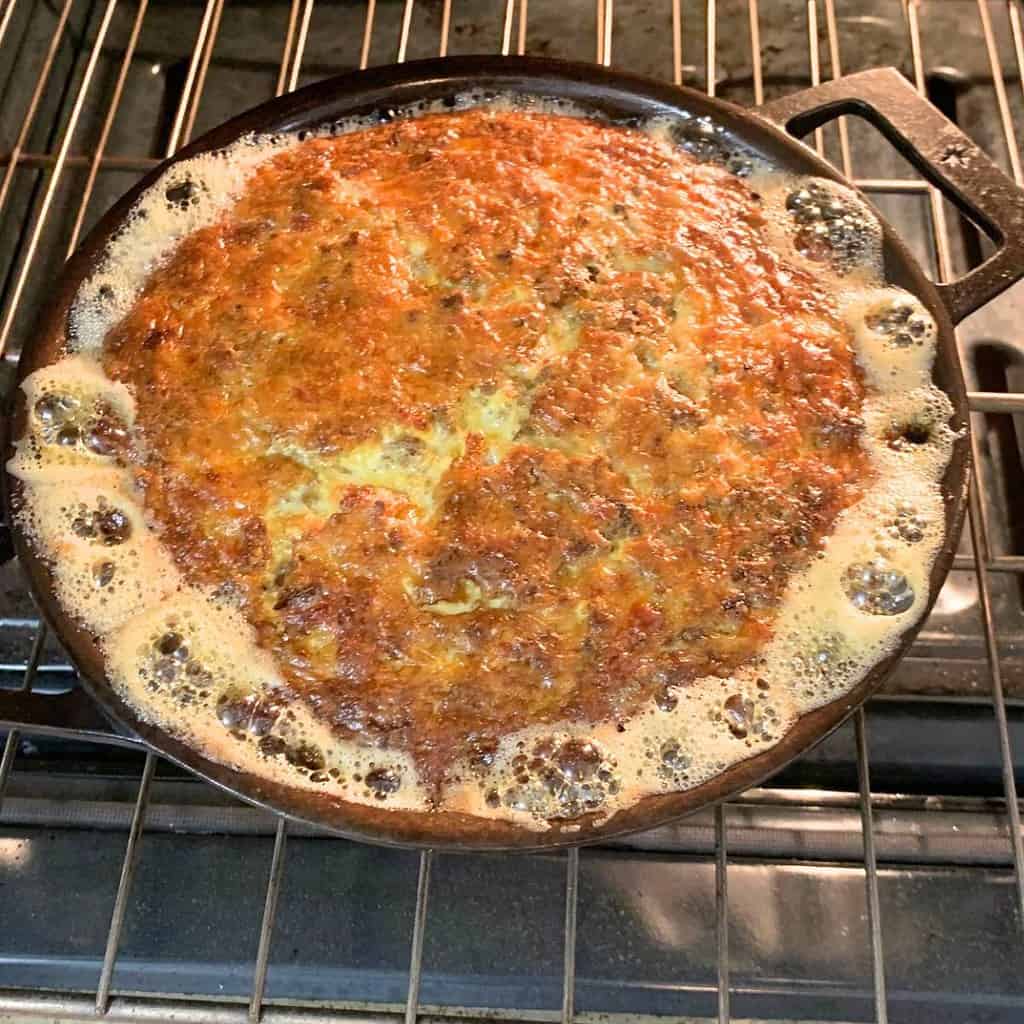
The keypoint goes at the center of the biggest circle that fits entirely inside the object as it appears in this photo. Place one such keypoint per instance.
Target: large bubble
(877, 589)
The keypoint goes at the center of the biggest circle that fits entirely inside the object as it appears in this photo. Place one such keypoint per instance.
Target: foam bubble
(706, 141)
(910, 432)
(823, 226)
(894, 336)
(875, 588)
(108, 565)
(78, 421)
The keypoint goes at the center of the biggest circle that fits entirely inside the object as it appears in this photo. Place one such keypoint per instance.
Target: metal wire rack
(397, 31)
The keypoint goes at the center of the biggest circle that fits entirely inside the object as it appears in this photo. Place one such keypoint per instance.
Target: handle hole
(892, 178)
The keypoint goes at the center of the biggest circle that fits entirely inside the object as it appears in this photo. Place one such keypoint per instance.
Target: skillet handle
(944, 156)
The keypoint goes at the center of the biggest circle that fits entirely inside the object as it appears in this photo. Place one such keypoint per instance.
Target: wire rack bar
(871, 870)
(755, 50)
(13, 736)
(124, 885)
(37, 95)
(286, 50)
(364, 55)
(32, 665)
(979, 540)
(446, 24)
(677, 42)
(446, 27)
(1013, 12)
(178, 126)
(995, 401)
(204, 66)
(5, 18)
(999, 704)
(14, 300)
(996, 563)
(815, 64)
(419, 927)
(403, 39)
(722, 913)
(10, 622)
(7, 761)
(259, 981)
(605, 10)
(506, 27)
(19, 666)
(140, 1009)
(108, 124)
(300, 45)
(832, 31)
(998, 83)
(711, 41)
(572, 881)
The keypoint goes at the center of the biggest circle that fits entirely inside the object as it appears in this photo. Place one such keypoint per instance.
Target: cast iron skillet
(945, 156)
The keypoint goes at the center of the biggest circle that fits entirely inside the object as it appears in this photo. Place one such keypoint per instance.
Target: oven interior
(879, 877)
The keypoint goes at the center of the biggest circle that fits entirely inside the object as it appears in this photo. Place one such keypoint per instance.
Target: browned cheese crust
(491, 419)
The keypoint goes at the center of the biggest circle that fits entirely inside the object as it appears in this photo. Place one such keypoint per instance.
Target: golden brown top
(488, 419)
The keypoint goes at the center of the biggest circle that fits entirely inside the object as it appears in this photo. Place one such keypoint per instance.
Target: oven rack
(693, 27)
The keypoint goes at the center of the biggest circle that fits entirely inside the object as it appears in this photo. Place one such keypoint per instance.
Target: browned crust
(687, 426)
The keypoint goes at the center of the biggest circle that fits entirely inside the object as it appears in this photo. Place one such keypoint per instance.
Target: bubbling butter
(190, 662)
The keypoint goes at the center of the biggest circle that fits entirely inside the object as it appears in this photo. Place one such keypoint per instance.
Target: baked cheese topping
(495, 460)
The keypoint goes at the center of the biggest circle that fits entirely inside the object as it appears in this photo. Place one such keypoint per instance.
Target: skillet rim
(392, 86)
